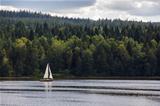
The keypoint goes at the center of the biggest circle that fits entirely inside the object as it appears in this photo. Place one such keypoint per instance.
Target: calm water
(80, 93)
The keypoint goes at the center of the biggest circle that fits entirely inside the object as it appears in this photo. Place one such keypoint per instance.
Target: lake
(80, 93)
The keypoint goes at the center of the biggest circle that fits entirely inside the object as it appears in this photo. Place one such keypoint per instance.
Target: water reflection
(47, 94)
(80, 93)
(47, 86)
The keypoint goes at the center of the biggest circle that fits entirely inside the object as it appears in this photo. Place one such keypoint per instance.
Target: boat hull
(46, 80)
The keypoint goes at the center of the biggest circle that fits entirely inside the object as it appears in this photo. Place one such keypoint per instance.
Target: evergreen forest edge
(77, 47)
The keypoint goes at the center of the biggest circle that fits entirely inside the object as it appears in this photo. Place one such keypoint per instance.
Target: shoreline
(79, 78)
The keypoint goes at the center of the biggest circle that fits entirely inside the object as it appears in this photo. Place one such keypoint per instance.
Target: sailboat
(48, 74)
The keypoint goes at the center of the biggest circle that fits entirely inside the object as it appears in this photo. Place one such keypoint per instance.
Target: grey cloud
(146, 11)
(48, 5)
(147, 8)
(150, 9)
(121, 5)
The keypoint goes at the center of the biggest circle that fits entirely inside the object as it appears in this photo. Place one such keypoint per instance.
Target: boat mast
(50, 73)
(48, 70)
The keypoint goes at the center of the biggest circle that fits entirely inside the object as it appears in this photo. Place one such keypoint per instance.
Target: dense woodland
(77, 47)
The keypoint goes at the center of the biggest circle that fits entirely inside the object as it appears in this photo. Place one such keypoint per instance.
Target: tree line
(78, 47)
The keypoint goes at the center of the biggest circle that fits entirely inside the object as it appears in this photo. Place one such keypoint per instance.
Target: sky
(138, 10)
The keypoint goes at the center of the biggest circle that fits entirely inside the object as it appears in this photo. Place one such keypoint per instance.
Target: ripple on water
(80, 93)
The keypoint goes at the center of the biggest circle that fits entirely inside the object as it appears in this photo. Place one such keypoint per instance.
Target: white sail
(50, 73)
(46, 73)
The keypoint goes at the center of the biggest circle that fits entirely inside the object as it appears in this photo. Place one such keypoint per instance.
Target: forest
(77, 47)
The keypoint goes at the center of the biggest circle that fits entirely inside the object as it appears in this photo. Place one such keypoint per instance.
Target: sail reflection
(48, 86)
(47, 94)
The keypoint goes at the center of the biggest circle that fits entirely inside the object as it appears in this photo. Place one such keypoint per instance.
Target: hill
(77, 47)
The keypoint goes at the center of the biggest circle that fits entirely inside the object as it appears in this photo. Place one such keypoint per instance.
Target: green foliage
(79, 47)
(21, 42)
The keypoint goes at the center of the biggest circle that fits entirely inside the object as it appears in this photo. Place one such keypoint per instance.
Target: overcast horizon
(145, 10)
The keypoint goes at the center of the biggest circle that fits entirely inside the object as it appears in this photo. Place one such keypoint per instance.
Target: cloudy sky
(145, 10)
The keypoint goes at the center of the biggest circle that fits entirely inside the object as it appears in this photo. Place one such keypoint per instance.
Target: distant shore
(79, 78)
